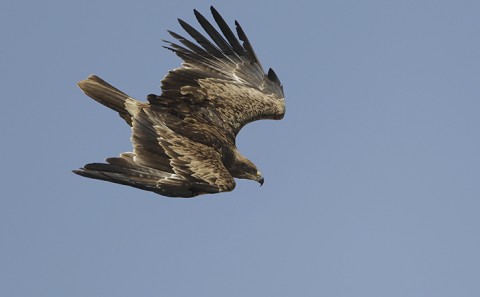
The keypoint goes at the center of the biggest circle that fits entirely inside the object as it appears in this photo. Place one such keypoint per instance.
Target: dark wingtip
(273, 76)
(213, 10)
(152, 98)
(80, 171)
(181, 22)
(169, 48)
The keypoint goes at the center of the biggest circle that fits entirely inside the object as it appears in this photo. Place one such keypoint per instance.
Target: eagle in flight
(184, 139)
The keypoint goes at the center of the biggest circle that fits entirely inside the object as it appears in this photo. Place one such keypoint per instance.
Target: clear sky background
(371, 180)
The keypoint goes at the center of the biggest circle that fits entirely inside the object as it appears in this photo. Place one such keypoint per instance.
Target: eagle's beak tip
(261, 180)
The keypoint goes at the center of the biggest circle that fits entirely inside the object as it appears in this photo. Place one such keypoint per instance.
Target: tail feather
(106, 94)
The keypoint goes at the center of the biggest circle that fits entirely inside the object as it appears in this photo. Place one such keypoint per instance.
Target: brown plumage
(184, 139)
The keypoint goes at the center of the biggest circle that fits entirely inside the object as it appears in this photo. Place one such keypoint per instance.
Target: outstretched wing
(224, 75)
(164, 162)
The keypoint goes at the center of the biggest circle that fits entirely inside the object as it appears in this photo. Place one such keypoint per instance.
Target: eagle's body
(184, 139)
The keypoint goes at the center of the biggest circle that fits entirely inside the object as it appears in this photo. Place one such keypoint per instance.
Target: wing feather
(204, 42)
(246, 44)
(156, 145)
(213, 33)
(235, 44)
(214, 74)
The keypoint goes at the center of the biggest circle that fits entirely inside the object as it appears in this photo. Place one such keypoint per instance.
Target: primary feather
(184, 139)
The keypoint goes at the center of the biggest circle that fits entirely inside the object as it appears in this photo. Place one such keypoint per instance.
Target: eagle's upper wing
(224, 75)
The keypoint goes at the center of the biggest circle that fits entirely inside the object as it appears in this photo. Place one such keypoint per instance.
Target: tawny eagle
(184, 139)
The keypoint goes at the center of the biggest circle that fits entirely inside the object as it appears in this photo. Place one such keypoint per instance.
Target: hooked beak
(260, 179)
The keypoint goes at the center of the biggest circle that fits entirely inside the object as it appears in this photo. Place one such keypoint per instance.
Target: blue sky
(371, 180)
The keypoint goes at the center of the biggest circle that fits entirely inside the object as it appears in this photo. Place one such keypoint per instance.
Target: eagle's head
(245, 169)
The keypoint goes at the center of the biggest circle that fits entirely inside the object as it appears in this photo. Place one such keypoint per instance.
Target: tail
(106, 94)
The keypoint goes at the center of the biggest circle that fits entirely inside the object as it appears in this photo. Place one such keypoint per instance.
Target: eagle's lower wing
(156, 145)
(164, 162)
(224, 74)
